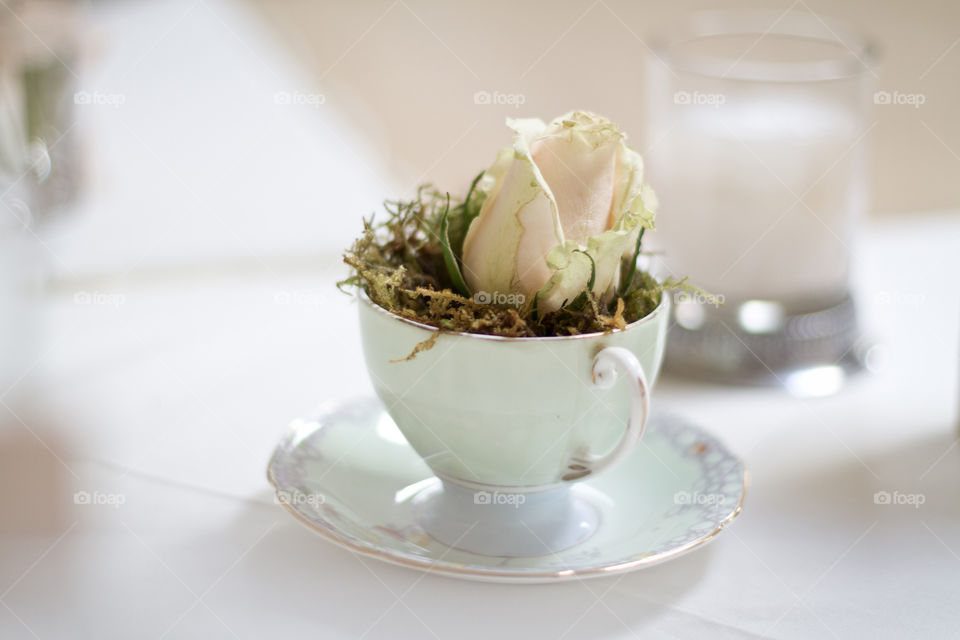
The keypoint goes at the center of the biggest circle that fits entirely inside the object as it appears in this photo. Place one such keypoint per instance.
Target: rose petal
(506, 246)
(577, 157)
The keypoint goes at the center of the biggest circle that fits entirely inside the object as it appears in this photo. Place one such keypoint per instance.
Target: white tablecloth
(163, 396)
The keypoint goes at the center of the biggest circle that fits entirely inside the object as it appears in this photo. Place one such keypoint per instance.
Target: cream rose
(564, 204)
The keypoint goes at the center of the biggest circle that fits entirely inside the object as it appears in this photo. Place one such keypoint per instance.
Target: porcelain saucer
(348, 474)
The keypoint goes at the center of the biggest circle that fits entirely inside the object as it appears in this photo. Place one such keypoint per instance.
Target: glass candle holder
(755, 141)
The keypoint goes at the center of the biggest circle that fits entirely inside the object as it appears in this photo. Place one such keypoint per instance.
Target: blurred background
(413, 68)
(178, 180)
(336, 105)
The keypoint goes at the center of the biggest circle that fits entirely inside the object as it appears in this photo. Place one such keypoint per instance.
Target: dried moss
(399, 263)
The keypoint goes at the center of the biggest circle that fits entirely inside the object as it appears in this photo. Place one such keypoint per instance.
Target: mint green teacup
(509, 423)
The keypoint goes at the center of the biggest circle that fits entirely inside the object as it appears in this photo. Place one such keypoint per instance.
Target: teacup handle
(604, 374)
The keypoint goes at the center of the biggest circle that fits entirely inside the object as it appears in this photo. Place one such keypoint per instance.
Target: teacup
(509, 424)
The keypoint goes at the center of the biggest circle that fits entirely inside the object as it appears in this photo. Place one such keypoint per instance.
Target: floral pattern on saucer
(349, 475)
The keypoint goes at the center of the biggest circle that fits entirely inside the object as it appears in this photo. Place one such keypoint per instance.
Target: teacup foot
(495, 523)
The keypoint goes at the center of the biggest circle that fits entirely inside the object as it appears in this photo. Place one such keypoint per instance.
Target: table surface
(167, 392)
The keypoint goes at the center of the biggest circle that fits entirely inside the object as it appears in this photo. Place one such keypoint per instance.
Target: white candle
(758, 198)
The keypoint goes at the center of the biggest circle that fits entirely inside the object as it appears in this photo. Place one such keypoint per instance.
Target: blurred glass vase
(756, 128)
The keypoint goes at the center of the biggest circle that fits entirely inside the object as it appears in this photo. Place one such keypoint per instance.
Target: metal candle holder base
(758, 343)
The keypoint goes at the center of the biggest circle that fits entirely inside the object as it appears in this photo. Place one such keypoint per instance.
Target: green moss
(400, 263)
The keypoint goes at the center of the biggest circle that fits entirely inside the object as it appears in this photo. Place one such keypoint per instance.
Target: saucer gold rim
(493, 575)
(514, 577)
